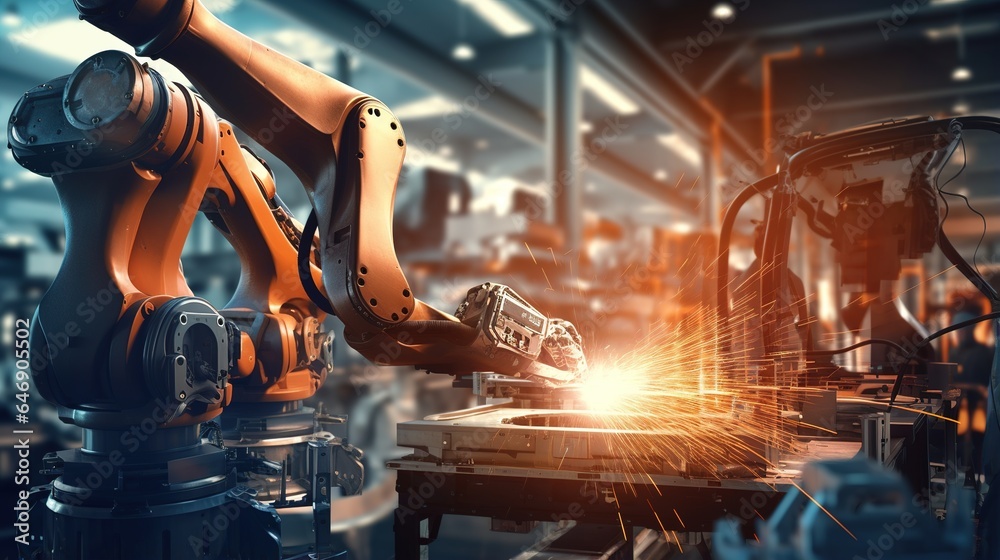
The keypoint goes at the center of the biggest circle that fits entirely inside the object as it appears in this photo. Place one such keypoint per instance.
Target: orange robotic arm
(347, 149)
(134, 158)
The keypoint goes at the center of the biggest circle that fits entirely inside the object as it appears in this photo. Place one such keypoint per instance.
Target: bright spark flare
(673, 388)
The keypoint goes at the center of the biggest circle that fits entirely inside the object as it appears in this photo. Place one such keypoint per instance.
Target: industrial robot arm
(134, 158)
(347, 149)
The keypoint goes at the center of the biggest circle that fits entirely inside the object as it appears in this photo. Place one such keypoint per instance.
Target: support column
(711, 173)
(563, 108)
(342, 66)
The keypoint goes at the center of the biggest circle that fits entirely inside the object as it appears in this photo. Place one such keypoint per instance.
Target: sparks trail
(675, 388)
(824, 510)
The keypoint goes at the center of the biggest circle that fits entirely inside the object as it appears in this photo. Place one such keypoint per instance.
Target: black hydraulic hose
(952, 328)
(416, 332)
(867, 140)
(429, 332)
(774, 262)
(725, 235)
(864, 343)
(305, 273)
(931, 337)
(991, 124)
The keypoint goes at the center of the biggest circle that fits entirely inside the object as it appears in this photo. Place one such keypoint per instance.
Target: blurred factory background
(554, 145)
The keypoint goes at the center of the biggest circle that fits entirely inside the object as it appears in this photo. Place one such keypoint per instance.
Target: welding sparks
(679, 519)
(699, 397)
(824, 510)
(607, 390)
(622, 521)
(667, 405)
(530, 254)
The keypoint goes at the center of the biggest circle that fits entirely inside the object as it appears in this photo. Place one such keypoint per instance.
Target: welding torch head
(521, 339)
(565, 346)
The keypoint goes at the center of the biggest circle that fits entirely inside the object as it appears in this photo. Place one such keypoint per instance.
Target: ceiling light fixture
(463, 51)
(500, 17)
(425, 107)
(676, 143)
(961, 74)
(608, 94)
(11, 16)
(723, 11)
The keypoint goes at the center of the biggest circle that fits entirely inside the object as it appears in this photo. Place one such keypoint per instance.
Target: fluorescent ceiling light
(960, 108)
(954, 31)
(723, 11)
(961, 74)
(463, 51)
(660, 175)
(586, 127)
(17, 240)
(62, 39)
(500, 17)
(426, 107)
(10, 17)
(420, 159)
(945, 2)
(608, 94)
(681, 227)
(482, 144)
(681, 147)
